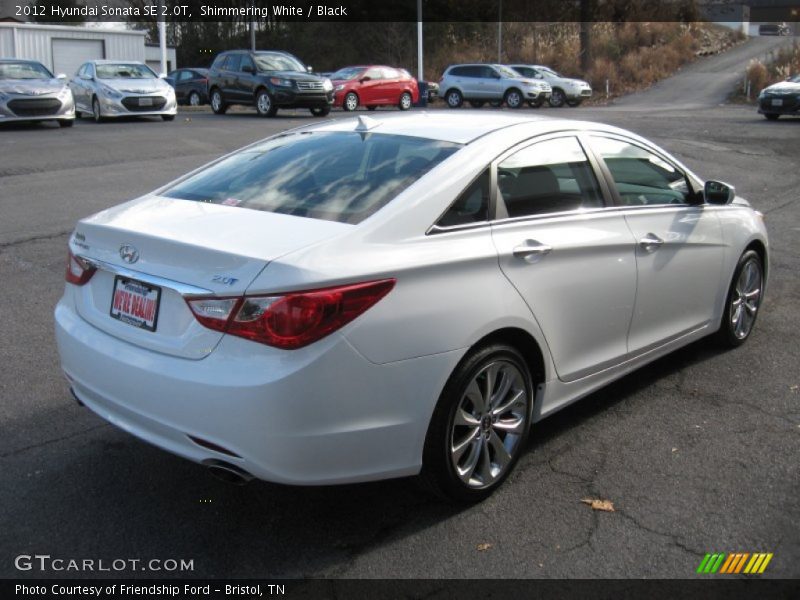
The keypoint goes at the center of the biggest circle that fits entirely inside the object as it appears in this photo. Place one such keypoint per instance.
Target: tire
(557, 98)
(217, 103)
(514, 98)
(350, 102)
(66, 123)
(97, 114)
(771, 116)
(321, 111)
(454, 98)
(265, 104)
(574, 103)
(476, 103)
(168, 117)
(535, 103)
(406, 101)
(743, 301)
(194, 99)
(464, 438)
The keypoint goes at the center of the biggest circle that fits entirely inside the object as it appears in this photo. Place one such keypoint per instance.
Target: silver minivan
(482, 83)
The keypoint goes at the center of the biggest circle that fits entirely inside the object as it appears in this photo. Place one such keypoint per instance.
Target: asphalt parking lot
(698, 452)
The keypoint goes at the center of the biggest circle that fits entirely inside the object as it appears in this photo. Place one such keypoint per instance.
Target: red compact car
(374, 86)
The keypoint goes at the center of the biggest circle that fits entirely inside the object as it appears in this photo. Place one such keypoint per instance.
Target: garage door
(69, 55)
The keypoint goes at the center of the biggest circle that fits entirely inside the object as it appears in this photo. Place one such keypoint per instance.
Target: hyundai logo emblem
(128, 253)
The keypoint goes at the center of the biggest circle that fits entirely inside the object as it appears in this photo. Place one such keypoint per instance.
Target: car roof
(462, 127)
(115, 62)
(18, 60)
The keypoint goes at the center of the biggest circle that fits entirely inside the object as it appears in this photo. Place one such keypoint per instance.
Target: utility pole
(253, 29)
(162, 37)
(500, 33)
(419, 41)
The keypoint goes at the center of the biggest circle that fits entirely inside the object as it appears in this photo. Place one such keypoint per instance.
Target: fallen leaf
(484, 547)
(674, 449)
(598, 504)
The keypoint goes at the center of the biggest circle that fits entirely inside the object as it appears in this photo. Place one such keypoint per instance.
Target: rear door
(679, 244)
(229, 71)
(570, 257)
(370, 92)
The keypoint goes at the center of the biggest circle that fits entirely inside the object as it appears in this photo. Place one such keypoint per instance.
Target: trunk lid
(178, 248)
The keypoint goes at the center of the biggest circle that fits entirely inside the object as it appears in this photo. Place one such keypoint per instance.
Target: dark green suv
(268, 80)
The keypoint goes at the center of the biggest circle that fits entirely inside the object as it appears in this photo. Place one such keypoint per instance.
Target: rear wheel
(194, 99)
(772, 116)
(405, 101)
(454, 99)
(217, 103)
(321, 111)
(480, 424)
(350, 102)
(743, 301)
(265, 106)
(513, 98)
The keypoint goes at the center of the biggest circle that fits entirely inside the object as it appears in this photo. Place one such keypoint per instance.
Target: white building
(63, 49)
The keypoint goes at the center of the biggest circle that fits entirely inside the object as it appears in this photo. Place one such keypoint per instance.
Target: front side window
(247, 62)
(641, 177)
(548, 177)
(24, 70)
(124, 71)
(335, 176)
(347, 74)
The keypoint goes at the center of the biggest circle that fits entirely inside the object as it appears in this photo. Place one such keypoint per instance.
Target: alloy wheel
(405, 101)
(489, 424)
(513, 99)
(351, 102)
(216, 101)
(746, 298)
(194, 99)
(264, 103)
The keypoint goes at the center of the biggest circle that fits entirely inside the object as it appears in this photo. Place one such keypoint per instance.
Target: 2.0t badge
(128, 253)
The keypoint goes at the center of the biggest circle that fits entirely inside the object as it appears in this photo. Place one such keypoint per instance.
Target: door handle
(651, 242)
(531, 249)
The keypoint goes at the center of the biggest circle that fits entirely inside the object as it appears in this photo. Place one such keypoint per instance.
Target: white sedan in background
(382, 297)
(106, 89)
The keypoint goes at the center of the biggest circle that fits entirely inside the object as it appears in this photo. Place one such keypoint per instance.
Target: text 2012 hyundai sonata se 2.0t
(380, 297)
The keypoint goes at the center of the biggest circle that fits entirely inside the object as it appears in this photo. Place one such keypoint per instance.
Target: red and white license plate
(135, 303)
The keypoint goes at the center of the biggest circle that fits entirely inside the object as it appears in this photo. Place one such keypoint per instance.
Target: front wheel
(217, 103)
(454, 99)
(480, 425)
(743, 301)
(321, 111)
(350, 102)
(97, 114)
(405, 101)
(513, 98)
(265, 106)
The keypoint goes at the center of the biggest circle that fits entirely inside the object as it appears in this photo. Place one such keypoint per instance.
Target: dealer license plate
(145, 102)
(135, 303)
(777, 102)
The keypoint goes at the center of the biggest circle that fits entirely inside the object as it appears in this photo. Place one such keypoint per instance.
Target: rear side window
(335, 176)
(641, 177)
(472, 206)
(548, 177)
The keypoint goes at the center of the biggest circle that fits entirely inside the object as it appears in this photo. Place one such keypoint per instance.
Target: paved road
(698, 451)
(705, 82)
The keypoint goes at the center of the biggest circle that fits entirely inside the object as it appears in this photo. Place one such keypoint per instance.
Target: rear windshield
(335, 176)
(24, 70)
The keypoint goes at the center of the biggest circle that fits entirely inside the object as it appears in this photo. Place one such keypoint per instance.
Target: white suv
(480, 83)
(565, 90)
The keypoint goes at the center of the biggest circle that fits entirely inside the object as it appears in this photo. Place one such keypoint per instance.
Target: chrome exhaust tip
(228, 473)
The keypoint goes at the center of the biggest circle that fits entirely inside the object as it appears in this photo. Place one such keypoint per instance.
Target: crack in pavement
(35, 238)
(53, 440)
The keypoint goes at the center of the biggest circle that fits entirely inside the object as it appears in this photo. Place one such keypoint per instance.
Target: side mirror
(61, 76)
(248, 69)
(538, 76)
(365, 79)
(716, 192)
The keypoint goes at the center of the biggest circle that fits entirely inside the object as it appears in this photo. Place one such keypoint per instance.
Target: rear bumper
(319, 415)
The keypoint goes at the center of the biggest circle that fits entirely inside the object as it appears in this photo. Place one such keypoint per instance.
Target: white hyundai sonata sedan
(388, 296)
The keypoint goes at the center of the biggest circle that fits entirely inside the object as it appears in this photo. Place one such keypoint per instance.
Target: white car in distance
(398, 295)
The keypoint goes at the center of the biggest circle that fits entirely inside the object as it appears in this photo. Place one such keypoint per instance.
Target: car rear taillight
(79, 271)
(291, 320)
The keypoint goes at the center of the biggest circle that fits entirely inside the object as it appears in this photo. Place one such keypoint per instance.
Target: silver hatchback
(30, 92)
